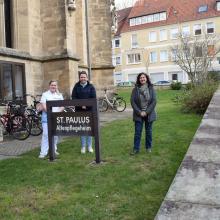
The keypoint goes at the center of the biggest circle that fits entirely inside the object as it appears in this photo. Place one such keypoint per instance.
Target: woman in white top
(51, 94)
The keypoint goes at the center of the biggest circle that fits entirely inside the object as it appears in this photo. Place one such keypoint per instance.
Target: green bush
(198, 98)
(214, 75)
(176, 85)
(188, 86)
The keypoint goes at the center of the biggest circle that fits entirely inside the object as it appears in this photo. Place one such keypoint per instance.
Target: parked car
(162, 83)
(127, 83)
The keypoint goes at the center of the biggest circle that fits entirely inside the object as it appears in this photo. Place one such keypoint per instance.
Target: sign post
(80, 123)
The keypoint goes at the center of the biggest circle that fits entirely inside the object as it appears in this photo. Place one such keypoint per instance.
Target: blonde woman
(51, 94)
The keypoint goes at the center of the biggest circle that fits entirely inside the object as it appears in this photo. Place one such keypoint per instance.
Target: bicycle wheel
(120, 104)
(103, 105)
(35, 122)
(20, 127)
(36, 126)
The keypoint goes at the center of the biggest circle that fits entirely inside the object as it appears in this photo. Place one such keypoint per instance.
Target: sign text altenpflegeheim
(67, 124)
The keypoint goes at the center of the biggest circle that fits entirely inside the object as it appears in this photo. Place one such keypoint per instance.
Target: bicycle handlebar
(33, 97)
(8, 103)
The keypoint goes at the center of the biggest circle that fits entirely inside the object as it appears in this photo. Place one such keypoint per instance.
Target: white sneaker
(42, 156)
(83, 150)
(90, 149)
(57, 153)
(149, 150)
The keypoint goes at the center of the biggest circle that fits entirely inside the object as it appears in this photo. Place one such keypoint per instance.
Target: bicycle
(115, 102)
(14, 123)
(34, 116)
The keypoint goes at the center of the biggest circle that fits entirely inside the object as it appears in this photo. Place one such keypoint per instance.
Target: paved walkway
(12, 148)
(195, 191)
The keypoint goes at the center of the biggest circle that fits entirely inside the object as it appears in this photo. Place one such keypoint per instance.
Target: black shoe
(134, 152)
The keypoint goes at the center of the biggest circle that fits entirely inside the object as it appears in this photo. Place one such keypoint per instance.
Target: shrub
(188, 86)
(198, 98)
(176, 85)
(214, 75)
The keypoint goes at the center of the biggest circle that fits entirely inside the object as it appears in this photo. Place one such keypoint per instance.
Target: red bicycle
(14, 123)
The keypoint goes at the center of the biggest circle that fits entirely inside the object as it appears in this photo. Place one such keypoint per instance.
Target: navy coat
(80, 92)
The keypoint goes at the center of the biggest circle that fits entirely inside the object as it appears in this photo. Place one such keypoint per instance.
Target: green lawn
(125, 92)
(123, 188)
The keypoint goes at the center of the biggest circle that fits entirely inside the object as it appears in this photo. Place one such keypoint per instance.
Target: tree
(194, 55)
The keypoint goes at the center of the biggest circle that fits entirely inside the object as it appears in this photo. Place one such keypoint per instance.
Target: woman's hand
(61, 109)
(143, 114)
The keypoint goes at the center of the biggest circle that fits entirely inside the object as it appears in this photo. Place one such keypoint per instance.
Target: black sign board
(73, 123)
(67, 123)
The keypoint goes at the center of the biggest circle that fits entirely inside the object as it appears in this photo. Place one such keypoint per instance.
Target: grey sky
(124, 3)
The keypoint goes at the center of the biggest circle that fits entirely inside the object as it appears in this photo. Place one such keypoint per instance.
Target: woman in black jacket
(84, 90)
(143, 102)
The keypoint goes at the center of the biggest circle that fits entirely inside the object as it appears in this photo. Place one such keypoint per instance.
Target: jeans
(148, 134)
(86, 140)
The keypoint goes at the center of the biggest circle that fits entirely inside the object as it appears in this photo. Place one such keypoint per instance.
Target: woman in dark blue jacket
(84, 90)
(143, 102)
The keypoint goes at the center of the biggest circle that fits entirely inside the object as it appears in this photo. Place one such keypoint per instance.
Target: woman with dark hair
(143, 102)
(83, 89)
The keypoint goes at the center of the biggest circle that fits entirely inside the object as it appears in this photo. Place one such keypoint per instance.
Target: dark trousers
(138, 131)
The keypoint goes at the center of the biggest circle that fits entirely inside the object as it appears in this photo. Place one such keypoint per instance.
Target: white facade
(153, 49)
(156, 74)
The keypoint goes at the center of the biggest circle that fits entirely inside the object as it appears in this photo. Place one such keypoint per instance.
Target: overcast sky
(123, 3)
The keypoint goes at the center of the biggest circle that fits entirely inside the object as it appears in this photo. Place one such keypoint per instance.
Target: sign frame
(94, 112)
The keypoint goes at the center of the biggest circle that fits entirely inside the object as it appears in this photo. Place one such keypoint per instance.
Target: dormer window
(218, 5)
(161, 16)
(156, 17)
(132, 21)
(203, 8)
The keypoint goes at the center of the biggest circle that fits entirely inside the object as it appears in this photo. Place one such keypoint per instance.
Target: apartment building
(147, 31)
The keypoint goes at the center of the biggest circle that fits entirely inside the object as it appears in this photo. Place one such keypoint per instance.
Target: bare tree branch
(194, 55)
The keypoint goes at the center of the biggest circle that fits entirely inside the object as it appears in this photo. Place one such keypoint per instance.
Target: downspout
(88, 41)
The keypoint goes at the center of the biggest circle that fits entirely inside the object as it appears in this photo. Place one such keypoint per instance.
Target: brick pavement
(13, 148)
